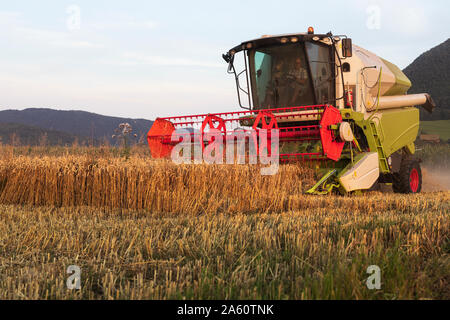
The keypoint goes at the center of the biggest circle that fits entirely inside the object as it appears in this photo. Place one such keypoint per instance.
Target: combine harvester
(335, 105)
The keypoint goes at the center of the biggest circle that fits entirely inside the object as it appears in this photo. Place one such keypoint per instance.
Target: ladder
(382, 156)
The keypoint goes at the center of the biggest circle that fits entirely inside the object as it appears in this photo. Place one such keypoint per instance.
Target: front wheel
(409, 178)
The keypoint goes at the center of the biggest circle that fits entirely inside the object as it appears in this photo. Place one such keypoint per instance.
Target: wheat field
(145, 229)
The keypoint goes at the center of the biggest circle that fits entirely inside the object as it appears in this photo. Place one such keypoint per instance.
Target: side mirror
(347, 50)
(226, 57)
(229, 59)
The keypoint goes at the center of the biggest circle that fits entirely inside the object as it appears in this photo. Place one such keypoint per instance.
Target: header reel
(309, 133)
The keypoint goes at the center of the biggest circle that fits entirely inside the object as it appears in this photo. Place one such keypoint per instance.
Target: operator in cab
(276, 89)
(298, 77)
(288, 85)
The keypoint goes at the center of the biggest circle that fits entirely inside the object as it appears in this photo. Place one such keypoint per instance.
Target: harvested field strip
(321, 253)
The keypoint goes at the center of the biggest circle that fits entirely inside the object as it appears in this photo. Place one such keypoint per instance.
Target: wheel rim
(414, 180)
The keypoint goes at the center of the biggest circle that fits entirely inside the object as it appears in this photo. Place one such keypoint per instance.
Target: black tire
(409, 178)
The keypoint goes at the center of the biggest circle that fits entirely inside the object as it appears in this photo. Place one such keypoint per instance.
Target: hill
(78, 123)
(429, 73)
(20, 134)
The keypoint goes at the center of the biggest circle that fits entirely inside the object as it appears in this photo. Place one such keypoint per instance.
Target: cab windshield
(284, 76)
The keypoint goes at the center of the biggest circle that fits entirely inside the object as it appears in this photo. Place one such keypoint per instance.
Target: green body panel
(400, 128)
(388, 131)
(402, 83)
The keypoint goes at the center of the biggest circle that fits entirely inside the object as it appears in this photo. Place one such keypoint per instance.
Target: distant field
(440, 127)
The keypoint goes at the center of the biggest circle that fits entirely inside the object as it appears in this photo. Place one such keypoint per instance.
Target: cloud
(135, 58)
(414, 21)
(14, 27)
(124, 24)
(54, 38)
(120, 21)
(9, 17)
(403, 17)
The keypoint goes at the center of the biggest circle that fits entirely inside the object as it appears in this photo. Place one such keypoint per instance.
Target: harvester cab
(335, 106)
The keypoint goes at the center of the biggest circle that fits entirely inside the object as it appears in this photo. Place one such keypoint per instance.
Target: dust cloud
(435, 179)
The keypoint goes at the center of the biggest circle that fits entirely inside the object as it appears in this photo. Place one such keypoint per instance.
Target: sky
(144, 59)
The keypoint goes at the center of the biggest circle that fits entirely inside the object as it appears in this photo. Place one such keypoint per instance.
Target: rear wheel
(409, 178)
